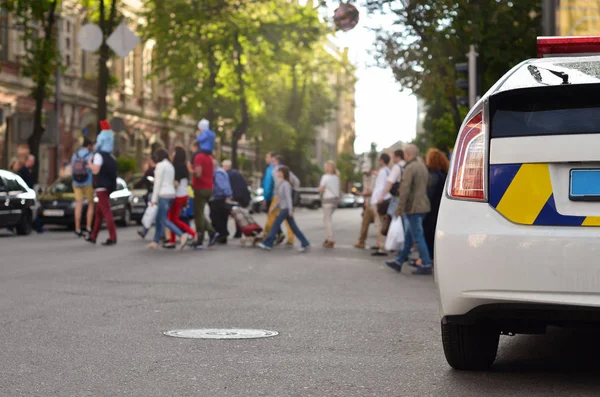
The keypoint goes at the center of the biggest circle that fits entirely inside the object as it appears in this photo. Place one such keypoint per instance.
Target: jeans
(413, 230)
(162, 220)
(173, 216)
(104, 212)
(282, 216)
(271, 219)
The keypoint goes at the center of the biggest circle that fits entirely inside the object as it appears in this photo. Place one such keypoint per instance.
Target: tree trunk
(35, 138)
(213, 69)
(245, 118)
(107, 28)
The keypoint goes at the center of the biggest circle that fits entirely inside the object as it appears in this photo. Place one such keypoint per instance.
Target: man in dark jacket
(104, 167)
(239, 187)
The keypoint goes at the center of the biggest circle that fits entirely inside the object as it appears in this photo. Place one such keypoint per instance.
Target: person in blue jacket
(268, 182)
(206, 137)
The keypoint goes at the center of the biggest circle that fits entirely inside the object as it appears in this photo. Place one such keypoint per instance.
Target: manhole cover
(218, 333)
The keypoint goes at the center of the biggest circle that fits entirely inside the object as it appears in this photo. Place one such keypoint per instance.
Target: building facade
(140, 100)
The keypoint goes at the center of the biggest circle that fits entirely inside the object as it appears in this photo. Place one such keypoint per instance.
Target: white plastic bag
(395, 236)
(149, 216)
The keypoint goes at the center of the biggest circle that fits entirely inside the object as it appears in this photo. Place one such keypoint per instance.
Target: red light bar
(568, 46)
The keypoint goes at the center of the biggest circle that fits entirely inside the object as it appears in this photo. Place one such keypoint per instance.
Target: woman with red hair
(438, 165)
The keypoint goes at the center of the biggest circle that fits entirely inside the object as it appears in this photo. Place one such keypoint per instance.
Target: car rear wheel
(470, 347)
(126, 220)
(25, 226)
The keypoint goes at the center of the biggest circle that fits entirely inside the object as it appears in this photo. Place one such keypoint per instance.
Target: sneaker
(280, 239)
(142, 233)
(89, 239)
(263, 247)
(304, 249)
(359, 246)
(169, 246)
(423, 270)
(214, 236)
(379, 253)
(79, 233)
(109, 242)
(198, 246)
(394, 265)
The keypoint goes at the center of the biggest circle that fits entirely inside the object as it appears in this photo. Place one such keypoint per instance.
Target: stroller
(251, 230)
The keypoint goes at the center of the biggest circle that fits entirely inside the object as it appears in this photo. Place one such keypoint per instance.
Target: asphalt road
(83, 320)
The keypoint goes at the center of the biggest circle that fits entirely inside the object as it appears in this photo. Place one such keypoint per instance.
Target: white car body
(527, 257)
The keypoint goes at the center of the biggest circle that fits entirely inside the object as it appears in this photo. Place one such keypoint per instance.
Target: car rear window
(547, 110)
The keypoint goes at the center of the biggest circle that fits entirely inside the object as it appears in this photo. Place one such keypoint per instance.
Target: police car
(518, 236)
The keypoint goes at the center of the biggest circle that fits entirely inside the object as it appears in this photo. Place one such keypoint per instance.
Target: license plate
(54, 213)
(139, 210)
(584, 184)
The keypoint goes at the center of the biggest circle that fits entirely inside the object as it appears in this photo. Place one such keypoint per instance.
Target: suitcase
(250, 229)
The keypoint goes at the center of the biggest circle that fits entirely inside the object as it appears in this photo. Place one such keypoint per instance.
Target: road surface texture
(82, 320)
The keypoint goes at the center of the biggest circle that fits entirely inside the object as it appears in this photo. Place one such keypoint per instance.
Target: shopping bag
(395, 235)
(149, 216)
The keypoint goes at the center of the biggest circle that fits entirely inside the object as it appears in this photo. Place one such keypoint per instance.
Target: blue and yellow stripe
(523, 194)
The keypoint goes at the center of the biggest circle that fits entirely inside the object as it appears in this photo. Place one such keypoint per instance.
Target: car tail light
(467, 179)
(560, 46)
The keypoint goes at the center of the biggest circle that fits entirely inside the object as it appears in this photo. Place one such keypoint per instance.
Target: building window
(3, 34)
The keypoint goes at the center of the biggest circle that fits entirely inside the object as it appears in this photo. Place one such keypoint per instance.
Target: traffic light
(462, 83)
(468, 82)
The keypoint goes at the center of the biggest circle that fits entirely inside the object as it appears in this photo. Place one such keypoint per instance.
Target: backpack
(80, 169)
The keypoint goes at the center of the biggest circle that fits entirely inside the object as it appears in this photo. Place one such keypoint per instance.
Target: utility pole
(472, 75)
(549, 17)
(57, 99)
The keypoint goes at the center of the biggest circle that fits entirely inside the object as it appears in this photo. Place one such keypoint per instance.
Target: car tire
(126, 220)
(470, 347)
(25, 225)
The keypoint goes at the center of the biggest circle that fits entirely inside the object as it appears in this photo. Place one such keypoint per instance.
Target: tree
(346, 165)
(106, 18)
(433, 35)
(37, 20)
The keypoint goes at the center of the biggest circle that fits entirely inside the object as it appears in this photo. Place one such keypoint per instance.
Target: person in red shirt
(202, 170)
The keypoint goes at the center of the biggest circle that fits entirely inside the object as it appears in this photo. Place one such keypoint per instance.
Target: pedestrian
(163, 197)
(273, 208)
(285, 205)
(378, 200)
(438, 165)
(330, 190)
(147, 182)
(268, 182)
(239, 189)
(206, 137)
(413, 205)
(393, 181)
(219, 205)
(83, 187)
(202, 170)
(181, 195)
(104, 168)
(368, 215)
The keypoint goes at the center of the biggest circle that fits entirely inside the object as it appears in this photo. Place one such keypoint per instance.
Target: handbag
(382, 207)
(149, 216)
(395, 236)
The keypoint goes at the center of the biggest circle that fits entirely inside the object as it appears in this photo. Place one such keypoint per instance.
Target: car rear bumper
(481, 259)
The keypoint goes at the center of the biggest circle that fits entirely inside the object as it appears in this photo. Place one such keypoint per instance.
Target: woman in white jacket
(163, 196)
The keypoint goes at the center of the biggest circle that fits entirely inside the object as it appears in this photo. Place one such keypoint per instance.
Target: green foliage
(126, 165)
(432, 36)
(345, 163)
(257, 68)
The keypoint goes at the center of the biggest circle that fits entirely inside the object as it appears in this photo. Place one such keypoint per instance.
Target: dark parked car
(58, 203)
(17, 203)
(138, 187)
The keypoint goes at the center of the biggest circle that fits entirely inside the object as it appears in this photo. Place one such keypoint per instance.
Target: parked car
(348, 201)
(138, 195)
(360, 201)
(17, 203)
(310, 197)
(58, 203)
(516, 247)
